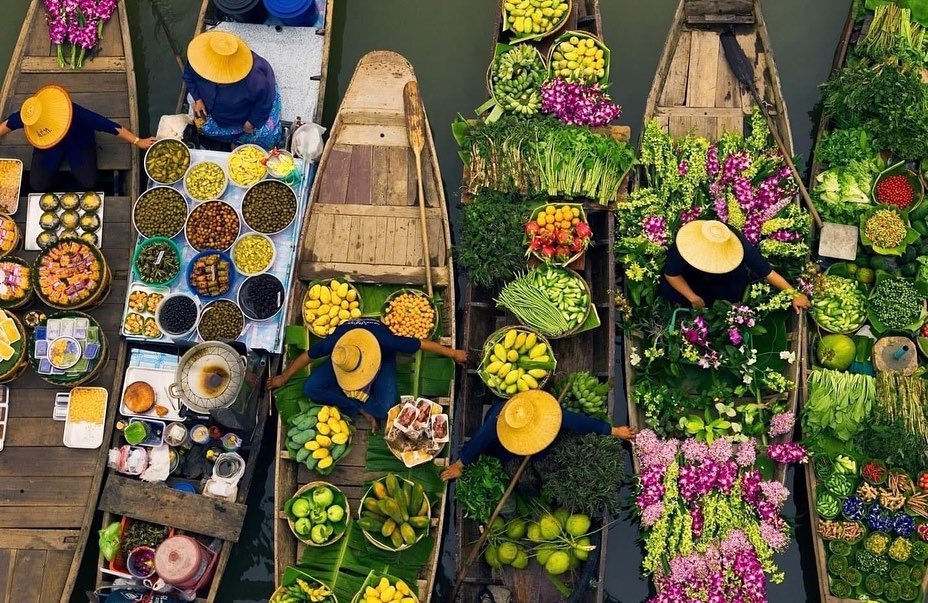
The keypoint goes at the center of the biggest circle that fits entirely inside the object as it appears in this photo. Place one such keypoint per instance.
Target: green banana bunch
(585, 394)
(516, 77)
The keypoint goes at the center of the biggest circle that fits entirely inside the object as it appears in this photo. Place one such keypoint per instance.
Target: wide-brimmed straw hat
(710, 246)
(356, 359)
(220, 57)
(46, 116)
(529, 422)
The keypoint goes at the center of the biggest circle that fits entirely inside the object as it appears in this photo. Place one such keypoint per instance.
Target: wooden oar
(475, 551)
(744, 71)
(415, 128)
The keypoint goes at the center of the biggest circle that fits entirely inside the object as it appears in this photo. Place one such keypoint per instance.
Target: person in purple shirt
(234, 91)
(371, 390)
(59, 130)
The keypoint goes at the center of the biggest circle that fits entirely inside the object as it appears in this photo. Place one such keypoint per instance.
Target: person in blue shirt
(234, 91)
(527, 424)
(359, 371)
(58, 130)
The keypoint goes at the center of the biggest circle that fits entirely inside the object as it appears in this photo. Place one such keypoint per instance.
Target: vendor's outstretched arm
(4, 128)
(296, 365)
(800, 301)
(680, 285)
(459, 356)
(579, 423)
(471, 451)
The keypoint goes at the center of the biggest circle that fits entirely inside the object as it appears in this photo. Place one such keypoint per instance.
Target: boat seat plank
(52, 491)
(703, 76)
(44, 461)
(370, 211)
(360, 181)
(674, 91)
(26, 582)
(50, 517)
(75, 83)
(373, 135)
(333, 182)
(363, 273)
(373, 117)
(49, 64)
(55, 540)
(719, 12)
(699, 112)
(399, 165)
(34, 432)
(190, 512)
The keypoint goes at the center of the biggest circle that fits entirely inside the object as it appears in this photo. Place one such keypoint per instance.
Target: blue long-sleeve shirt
(84, 123)
(485, 441)
(250, 99)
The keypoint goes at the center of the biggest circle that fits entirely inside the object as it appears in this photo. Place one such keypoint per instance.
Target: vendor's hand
(144, 143)
(698, 303)
(275, 382)
(625, 433)
(459, 356)
(199, 109)
(453, 471)
(249, 129)
(801, 302)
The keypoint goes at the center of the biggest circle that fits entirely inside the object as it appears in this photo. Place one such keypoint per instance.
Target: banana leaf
(381, 460)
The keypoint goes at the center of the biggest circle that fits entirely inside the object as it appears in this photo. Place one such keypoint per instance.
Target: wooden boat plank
(75, 83)
(6, 570)
(360, 184)
(192, 512)
(333, 182)
(98, 65)
(373, 135)
(370, 232)
(55, 540)
(109, 156)
(34, 432)
(727, 87)
(55, 575)
(58, 461)
(380, 175)
(398, 187)
(38, 43)
(103, 102)
(674, 90)
(51, 517)
(54, 491)
(28, 573)
(703, 69)
(706, 12)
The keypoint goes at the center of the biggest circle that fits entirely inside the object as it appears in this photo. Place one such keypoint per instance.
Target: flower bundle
(578, 104)
(712, 523)
(78, 23)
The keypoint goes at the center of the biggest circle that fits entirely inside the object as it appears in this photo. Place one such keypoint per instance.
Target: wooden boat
(363, 225)
(206, 518)
(49, 492)
(694, 90)
(482, 317)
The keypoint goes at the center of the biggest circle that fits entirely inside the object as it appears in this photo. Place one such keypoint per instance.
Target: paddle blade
(415, 121)
(737, 60)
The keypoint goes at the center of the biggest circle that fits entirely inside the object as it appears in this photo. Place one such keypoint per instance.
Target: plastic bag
(173, 126)
(306, 142)
(109, 541)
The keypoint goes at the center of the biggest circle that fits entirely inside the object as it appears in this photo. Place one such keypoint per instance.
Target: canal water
(448, 42)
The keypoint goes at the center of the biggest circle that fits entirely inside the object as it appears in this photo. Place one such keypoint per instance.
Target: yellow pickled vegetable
(253, 254)
(245, 167)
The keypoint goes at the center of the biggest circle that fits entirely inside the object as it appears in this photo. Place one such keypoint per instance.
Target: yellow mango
(321, 453)
(314, 292)
(355, 312)
(340, 438)
(344, 314)
(323, 415)
(323, 428)
(352, 295)
(323, 441)
(325, 463)
(325, 295)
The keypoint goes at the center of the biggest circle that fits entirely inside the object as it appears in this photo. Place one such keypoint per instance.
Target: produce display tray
(34, 212)
(126, 310)
(10, 205)
(160, 380)
(93, 436)
(260, 335)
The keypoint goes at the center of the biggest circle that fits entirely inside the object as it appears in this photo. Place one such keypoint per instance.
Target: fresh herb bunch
(491, 247)
(585, 474)
(893, 36)
(896, 303)
(890, 441)
(901, 397)
(886, 99)
(142, 533)
(844, 146)
(480, 487)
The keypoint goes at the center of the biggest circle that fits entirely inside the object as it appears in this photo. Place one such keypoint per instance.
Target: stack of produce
(395, 513)
(318, 514)
(514, 81)
(579, 59)
(839, 404)
(318, 437)
(896, 304)
(302, 591)
(558, 234)
(585, 393)
(534, 18)
(384, 590)
(246, 165)
(515, 360)
(559, 541)
(839, 305)
(553, 301)
(886, 231)
(70, 274)
(328, 305)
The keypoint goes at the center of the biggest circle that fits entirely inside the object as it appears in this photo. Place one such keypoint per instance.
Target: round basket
(914, 179)
(29, 292)
(375, 540)
(163, 143)
(13, 367)
(582, 35)
(373, 579)
(321, 283)
(417, 293)
(501, 49)
(9, 224)
(199, 208)
(254, 235)
(519, 37)
(206, 253)
(78, 379)
(143, 195)
(554, 261)
(498, 336)
(172, 245)
(225, 181)
(338, 534)
(232, 156)
(589, 307)
(848, 331)
(95, 299)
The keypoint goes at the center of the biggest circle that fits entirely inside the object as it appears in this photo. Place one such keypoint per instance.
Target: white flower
(789, 357)
(752, 358)
(747, 379)
(634, 358)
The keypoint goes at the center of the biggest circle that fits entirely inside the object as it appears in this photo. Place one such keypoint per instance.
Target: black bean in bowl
(221, 320)
(269, 206)
(261, 297)
(177, 314)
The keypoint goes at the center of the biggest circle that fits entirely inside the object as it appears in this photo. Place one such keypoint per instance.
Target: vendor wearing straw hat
(59, 129)
(233, 89)
(525, 425)
(359, 371)
(710, 261)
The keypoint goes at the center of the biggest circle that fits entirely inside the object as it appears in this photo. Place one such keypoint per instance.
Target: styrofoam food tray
(34, 212)
(160, 380)
(86, 437)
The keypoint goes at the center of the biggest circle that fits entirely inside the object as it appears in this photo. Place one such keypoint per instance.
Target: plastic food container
(154, 430)
(85, 425)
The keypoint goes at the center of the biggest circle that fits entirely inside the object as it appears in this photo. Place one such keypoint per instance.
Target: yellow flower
(635, 272)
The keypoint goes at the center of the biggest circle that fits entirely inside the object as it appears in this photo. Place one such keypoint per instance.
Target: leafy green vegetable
(892, 36)
(845, 146)
(585, 474)
(491, 248)
(480, 488)
(839, 404)
(851, 183)
(889, 441)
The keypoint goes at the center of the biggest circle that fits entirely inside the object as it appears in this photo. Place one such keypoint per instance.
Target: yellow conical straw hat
(710, 246)
(356, 359)
(46, 116)
(220, 57)
(529, 422)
